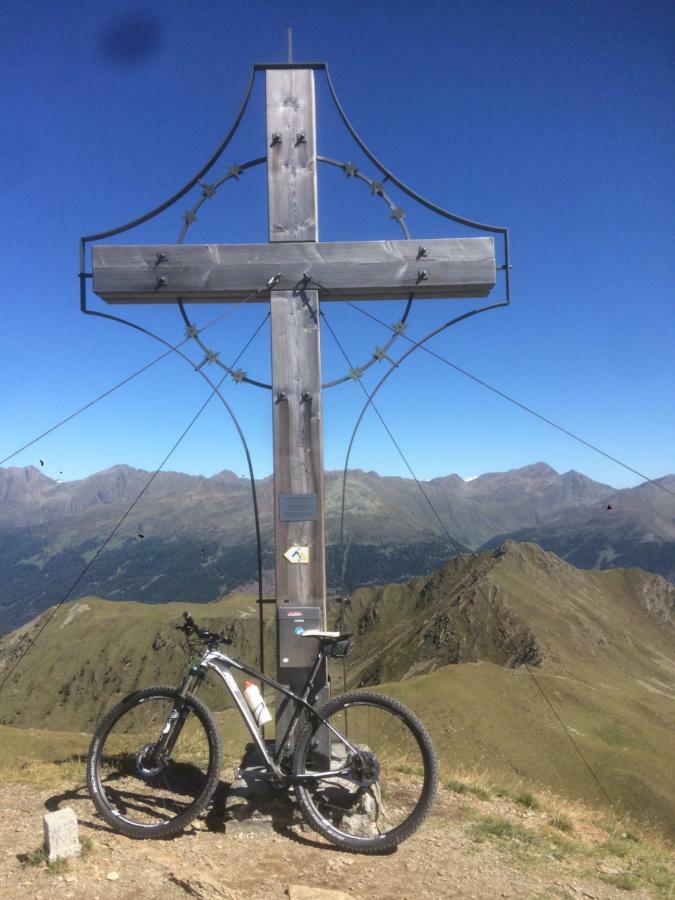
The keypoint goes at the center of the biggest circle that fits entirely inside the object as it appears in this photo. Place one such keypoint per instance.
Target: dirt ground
(444, 859)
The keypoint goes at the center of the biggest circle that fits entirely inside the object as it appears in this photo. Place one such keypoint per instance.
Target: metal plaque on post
(297, 507)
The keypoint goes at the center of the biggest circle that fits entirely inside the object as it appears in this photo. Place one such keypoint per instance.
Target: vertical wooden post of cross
(296, 382)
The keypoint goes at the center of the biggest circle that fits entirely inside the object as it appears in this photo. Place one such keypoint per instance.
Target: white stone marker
(61, 835)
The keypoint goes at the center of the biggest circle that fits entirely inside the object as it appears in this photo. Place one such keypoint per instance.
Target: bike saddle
(326, 637)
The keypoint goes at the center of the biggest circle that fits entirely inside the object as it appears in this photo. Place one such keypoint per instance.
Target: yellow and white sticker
(297, 554)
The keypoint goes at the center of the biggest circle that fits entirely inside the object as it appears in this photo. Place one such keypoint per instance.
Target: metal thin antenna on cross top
(289, 38)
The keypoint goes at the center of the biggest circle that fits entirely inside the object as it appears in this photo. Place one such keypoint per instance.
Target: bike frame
(221, 663)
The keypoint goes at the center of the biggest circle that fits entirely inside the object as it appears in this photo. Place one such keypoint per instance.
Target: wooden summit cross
(211, 273)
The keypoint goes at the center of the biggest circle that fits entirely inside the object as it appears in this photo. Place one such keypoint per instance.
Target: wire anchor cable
(475, 582)
(505, 396)
(190, 332)
(215, 391)
(105, 543)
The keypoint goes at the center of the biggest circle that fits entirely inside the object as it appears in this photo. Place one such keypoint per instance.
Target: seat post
(315, 668)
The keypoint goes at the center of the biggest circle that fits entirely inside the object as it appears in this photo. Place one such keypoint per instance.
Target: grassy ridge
(485, 718)
(600, 644)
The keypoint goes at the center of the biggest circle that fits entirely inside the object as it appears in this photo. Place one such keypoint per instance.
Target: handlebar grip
(191, 627)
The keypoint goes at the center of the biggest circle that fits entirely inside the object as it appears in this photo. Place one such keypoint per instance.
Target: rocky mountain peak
(537, 470)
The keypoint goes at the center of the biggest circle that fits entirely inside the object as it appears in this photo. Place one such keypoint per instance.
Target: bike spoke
(148, 793)
(384, 787)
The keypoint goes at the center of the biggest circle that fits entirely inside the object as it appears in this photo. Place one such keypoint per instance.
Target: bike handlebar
(189, 627)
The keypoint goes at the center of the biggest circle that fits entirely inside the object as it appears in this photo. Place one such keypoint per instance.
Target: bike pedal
(237, 773)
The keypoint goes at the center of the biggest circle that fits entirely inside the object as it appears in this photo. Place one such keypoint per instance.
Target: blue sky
(551, 118)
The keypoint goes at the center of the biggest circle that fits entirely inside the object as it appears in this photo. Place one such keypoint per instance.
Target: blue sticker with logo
(299, 629)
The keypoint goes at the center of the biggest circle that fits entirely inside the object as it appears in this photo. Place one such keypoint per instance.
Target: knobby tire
(305, 793)
(96, 761)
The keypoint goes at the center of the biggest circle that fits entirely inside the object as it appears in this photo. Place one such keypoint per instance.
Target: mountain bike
(362, 766)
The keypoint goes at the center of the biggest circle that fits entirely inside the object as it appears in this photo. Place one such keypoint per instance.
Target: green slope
(599, 643)
(96, 651)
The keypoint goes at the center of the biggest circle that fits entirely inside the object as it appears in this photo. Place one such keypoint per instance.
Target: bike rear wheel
(140, 792)
(386, 789)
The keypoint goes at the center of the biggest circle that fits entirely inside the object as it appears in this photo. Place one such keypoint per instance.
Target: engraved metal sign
(297, 507)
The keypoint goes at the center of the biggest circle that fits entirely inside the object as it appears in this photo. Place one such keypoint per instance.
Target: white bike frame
(221, 663)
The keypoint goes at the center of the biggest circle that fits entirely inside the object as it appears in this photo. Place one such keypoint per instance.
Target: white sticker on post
(297, 554)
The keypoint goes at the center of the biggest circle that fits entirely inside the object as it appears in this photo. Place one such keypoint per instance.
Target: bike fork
(173, 724)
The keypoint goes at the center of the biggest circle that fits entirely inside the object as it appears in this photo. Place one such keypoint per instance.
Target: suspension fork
(173, 724)
(193, 679)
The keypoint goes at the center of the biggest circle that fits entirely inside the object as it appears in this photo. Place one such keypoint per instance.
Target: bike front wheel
(385, 766)
(154, 763)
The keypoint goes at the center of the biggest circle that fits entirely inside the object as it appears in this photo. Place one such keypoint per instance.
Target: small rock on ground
(61, 838)
(302, 892)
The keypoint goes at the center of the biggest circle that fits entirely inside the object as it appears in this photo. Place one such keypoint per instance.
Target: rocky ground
(477, 844)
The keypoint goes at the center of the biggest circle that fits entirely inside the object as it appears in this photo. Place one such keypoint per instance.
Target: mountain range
(191, 538)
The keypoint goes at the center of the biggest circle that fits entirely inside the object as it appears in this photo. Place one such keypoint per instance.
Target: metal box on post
(296, 658)
(295, 651)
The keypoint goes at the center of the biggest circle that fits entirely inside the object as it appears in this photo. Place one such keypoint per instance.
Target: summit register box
(296, 658)
(296, 651)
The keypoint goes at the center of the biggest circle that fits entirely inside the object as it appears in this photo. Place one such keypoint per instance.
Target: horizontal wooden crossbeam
(352, 270)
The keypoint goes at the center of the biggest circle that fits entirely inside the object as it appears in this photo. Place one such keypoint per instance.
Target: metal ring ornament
(189, 217)
(376, 189)
(235, 171)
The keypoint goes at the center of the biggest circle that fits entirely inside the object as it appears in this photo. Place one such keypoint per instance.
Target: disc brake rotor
(142, 758)
(365, 769)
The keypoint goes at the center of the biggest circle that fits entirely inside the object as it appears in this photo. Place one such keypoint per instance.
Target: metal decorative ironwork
(351, 171)
(238, 375)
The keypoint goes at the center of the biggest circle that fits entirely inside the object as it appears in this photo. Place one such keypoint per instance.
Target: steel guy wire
(523, 406)
(176, 349)
(240, 432)
(105, 543)
(111, 390)
(215, 391)
(89, 404)
(462, 557)
(393, 440)
(396, 365)
(230, 411)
